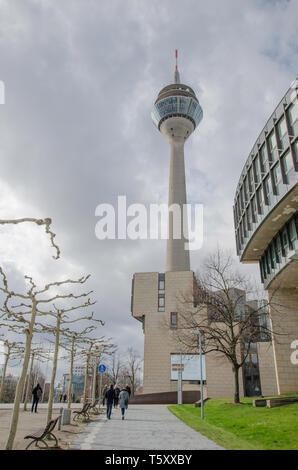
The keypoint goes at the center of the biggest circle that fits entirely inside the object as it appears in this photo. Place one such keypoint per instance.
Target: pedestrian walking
(109, 396)
(116, 397)
(64, 398)
(60, 397)
(36, 394)
(128, 389)
(123, 401)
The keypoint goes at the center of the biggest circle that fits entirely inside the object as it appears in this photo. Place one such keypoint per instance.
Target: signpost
(101, 368)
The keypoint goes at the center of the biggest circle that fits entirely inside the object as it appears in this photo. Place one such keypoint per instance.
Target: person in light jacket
(123, 401)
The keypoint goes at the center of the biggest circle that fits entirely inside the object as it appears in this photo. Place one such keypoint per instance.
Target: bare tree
(115, 367)
(46, 222)
(12, 350)
(217, 307)
(104, 346)
(73, 341)
(132, 368)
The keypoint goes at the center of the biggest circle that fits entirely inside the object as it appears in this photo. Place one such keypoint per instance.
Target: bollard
(66, 415)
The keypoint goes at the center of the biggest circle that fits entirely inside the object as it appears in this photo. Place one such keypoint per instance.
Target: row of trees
(54, 310)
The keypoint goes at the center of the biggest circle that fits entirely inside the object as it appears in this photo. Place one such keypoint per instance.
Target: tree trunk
(4, 374)
(86, 379)
(21, 381)
(55, 360)
(71, 373)
(28, 383)
(236, 383)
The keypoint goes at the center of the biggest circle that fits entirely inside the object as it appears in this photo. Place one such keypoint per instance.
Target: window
(254, 209)
(277, 177)
(161, 302)
(250, 180)
(174, 318)
(245, 188)
(248, 219)
(272, 146)
(257, 170)
(260, 199)
(293, 113)
(281, 128)
(295, 154)
(287, 165)
(268, 190)
(272, 141)
(263, 159)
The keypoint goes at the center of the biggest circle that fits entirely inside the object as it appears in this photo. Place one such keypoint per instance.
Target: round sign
(101, 368)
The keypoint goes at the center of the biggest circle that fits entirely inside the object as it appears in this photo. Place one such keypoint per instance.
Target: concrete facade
(284, 318)
(267, 369)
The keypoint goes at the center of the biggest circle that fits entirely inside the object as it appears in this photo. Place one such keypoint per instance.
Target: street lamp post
(199, 333)
(180, 399)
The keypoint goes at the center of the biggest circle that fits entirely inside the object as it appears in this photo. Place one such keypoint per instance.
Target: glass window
(263, 159)
(287, 165)
(268, 190)
(161, 285)
(295, 153)
(260, 198)
(254, 209)
(277, 177)
(281, 127)
(173, 320)
(250, 179)
(241, 198)
(293, 113)
(245, 188)
(257, 170)
(292, 230)
(272, 141)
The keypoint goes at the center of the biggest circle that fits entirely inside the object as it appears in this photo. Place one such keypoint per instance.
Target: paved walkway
(144, 427)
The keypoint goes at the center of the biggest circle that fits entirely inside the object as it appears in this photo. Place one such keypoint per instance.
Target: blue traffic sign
(101, 368)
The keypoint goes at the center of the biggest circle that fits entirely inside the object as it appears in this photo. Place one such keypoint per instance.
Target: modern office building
(176, 114)
(266, 227)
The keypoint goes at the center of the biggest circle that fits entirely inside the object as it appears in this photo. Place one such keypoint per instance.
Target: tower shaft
(177, 257)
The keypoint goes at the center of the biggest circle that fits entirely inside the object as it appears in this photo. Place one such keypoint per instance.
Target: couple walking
(123, 400)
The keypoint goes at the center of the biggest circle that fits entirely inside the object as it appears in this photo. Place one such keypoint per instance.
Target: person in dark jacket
(109, 397)
(123, 401)
(128, 389)
(116, 397)
(36, 393)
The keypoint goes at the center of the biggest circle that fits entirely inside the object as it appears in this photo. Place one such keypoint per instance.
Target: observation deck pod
(176, 100)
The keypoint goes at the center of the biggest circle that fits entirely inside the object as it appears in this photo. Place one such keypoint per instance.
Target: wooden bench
(93, 406)
(42, 434)
(84, 412)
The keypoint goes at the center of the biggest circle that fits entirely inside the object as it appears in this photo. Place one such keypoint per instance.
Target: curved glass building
(266, 217)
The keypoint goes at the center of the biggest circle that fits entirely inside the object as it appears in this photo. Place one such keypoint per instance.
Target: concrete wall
(267, 369)
(220, 377)
(284, 319)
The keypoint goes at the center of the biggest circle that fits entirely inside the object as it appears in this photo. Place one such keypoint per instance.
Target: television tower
(176, 113)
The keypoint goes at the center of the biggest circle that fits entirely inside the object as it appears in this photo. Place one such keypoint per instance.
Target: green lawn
(244, 426)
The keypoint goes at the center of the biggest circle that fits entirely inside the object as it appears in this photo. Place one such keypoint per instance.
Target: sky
(81, 77)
